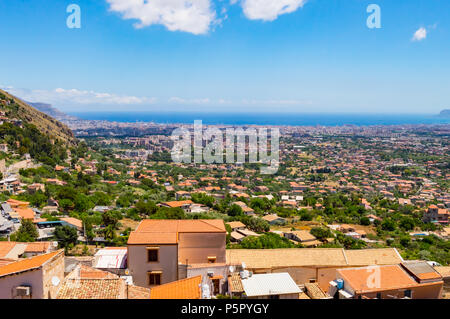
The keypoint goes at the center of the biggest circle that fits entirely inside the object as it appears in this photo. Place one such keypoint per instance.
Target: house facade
(163, 251)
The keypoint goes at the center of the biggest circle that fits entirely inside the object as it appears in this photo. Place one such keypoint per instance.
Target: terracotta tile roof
(314, 291)
(85, 282)
(5, 247)
(14, 203)
(182, 226)
(188, 288)
(381, 256)
(236, 224)
(87, 272)
(298, 257)
(38, 247)
(178, 203)
(291, 257)
(73, 221)
(28, 263)
(137, 238)
(25, 213)
(235, 283)
(136, 292)
(247, 209)
(391, 277)
(158, 231)
(303, 296)
(443, 270)
(303, 235)
(5, 261)
(271, 218)
(92, 289)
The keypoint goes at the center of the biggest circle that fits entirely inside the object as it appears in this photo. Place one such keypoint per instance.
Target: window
(152, 254)
(312, 280)
(378, 295)
(211, 259)
(274, 297)
(154, 278)
(408, 293)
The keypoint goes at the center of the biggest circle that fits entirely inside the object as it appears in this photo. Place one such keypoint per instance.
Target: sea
(287, 119)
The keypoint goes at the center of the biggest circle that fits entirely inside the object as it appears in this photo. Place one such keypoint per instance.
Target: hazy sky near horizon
(228, 55)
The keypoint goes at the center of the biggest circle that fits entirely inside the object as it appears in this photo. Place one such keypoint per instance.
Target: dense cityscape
(113, 210)
(224, 158)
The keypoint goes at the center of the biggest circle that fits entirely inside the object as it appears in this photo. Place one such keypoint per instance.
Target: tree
(82, 203)
(169, 213)
(364, 221)
(407, 223)
(26, 233)
(110, 233)
(66, 236)
(146, 207)
(110, 219)
(234, 210)
(405, 241)
(388, 225)
(66, 204)
(266, 241)
(201, 198)
(321, 233)
(260, 204)
(258, 225)
(100, 199)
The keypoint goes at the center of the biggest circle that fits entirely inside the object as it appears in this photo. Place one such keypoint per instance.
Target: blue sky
(228, 55)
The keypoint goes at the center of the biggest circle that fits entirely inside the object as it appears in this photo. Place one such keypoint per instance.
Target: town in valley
(353, 212)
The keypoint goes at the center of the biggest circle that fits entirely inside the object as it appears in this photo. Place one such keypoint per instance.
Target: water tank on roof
(340, 284)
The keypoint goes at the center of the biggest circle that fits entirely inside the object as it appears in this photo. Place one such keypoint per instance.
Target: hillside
(51, 111)
(15, 108)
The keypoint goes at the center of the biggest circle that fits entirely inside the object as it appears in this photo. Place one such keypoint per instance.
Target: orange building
(163, 251)
(409, 280)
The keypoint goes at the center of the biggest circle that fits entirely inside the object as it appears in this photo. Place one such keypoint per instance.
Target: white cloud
(268, 10)
(61, 96)
(420, 34)
(193, 16)
(276, 102)
(179, 100)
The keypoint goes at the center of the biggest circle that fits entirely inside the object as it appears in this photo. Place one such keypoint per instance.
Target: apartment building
(309, 265)
(37, 277)
(435, 214)
(409, 280)
(163, 251)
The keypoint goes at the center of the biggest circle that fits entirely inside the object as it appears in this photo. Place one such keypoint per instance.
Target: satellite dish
(127, 272)
(231, 269)
(55, 281)
(243, 265)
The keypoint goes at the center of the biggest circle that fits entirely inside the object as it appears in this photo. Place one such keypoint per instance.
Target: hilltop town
(112, 212)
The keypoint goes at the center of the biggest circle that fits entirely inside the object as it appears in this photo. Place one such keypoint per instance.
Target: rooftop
(89, 283)
(188, 288)
(27, 264)
(298, 257)
(269, 284)
(160, 231)
(390, 277)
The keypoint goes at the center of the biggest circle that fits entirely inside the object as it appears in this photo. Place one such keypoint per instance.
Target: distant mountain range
(445, 113)
(51, 111)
